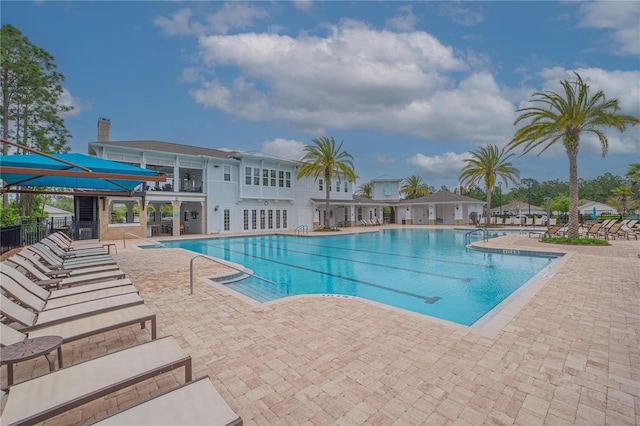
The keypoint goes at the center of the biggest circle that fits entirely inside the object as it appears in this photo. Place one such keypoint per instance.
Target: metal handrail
(302, 228)
(244, 271)
(124, 240)
(485, 235)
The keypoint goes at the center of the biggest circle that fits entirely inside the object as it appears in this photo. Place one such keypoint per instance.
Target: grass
(576, 241)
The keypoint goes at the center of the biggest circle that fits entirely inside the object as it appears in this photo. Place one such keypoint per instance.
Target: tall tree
(563, 117)
(488, 165)
(31, 91)
(413, 187)
(365, 190)
(634, 173)
(324, 159)
(622, 194)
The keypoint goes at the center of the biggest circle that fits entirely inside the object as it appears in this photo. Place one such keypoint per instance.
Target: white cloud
(463, 15)
(405, 20)
(303, 5)
(621, 18)
(447, 165)
(68, 100)
(385, 159)
(230, 16)
(177, 24)
(284, 148)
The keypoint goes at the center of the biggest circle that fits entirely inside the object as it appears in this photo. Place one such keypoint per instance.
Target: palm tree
(324, 159)
(634, 173)
(564, 118)
(365, 190)
(413, 187)
(487, 165)
(622, 194)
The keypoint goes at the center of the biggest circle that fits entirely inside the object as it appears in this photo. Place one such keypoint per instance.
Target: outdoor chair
(55, 261)
(43, 397)
(42, 301)
(612, 231)
(97, 248)
(37, 262)
(199, 404)
(18, 263)
(65, 241)
(72, 254)
(33, 320)
(592, 231)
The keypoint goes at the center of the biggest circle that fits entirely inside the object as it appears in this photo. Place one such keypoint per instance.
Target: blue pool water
(426, 271)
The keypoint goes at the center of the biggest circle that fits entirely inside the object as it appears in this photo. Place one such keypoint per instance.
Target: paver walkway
(570, 355)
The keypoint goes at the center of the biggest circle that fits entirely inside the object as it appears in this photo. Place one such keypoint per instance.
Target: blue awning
(74, 171)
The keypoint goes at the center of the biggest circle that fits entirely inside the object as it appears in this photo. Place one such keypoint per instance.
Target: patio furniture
(21, 263)
(54, 261)
(57, 271)
(199, 404)
(43, 397)
(32, 321)
(28, 349)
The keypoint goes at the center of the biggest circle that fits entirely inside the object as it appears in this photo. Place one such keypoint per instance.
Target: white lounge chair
(43, 397)
(194, 403)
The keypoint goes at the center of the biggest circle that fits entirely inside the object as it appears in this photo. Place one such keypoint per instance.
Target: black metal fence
(32, 230)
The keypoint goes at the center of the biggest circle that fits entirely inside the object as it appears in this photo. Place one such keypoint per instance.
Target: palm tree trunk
(574, 223)
(326, 204)
(487, 220)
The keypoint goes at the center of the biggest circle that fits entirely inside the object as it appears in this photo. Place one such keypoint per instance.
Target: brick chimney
(104, 124)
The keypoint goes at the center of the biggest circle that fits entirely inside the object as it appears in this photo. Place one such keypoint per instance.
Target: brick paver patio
(566, 352)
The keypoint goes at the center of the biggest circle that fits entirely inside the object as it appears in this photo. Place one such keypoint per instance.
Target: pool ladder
(302, 229)
(246, 272)
(467, 235)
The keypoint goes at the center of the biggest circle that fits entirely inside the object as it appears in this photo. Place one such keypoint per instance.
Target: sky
(408, 87)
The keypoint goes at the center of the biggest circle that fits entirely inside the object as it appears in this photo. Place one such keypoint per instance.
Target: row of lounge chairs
(607, 230)
(75, 290)
(371, 222)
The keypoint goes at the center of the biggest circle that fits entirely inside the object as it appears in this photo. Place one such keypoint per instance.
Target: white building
(211, 191)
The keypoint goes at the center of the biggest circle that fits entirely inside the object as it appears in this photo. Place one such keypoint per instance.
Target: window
(227, 219)
(273, 177)
(246, 220)
(346, 186)
(265, 177)
(262, 218)
(387, 189)
(320, 185)
(287, 179)
(270, 212)
(277, 219)
(359, 213)
(337, 186)
(284, 219)
(128, 212)
(330, 186)
(247, 175)
(256, 176)
(226, 172)
(254, 224)
(281, 179)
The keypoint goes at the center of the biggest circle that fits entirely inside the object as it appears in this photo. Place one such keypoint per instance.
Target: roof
(169, 147)
(441, 197)
(386, 178)
(77, 171)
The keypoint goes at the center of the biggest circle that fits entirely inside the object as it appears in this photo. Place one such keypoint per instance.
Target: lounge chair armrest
(59, 272)
(53, 282)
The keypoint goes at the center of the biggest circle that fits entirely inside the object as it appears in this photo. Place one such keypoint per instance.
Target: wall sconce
(407, 208)
(216, 165)
(215, 208)
(457, 207)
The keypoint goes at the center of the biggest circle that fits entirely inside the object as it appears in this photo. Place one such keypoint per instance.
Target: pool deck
(566, 350)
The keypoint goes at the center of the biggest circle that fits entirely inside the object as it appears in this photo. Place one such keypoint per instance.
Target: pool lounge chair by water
(43, 397)
(194, 403)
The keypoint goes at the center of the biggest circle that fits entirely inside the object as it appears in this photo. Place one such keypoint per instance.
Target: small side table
(29, 349)
(109, 245)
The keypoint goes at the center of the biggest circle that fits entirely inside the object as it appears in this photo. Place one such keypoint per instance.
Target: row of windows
(266, 218)
(270, 177)
(321, 185)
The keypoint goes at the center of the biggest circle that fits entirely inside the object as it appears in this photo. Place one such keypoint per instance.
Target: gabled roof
(441, 197)
(386, 178)
(168, 147)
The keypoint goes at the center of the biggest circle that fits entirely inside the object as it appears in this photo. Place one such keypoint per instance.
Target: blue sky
(410, 87)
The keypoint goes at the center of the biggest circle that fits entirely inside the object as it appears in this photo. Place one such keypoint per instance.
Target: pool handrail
(302, 228)
(244, 271)
(467, 235)
(124, 239)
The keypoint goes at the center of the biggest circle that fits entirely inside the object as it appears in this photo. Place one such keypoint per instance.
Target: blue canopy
(76, 171)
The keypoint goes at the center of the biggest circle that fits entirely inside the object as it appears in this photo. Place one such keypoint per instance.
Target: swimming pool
(428, 271)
